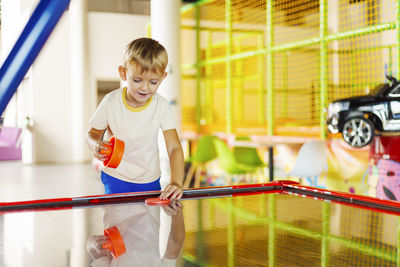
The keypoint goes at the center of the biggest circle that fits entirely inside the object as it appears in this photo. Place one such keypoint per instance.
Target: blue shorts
(113, 185)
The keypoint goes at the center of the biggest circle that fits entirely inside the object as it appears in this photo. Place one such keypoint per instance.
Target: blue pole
(27, 47)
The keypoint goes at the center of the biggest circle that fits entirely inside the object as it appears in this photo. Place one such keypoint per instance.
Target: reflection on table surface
(251, 230)
(132, 234)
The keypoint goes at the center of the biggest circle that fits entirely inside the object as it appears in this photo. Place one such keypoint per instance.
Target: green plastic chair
(248, 155)
(227, 159)
(205, 152)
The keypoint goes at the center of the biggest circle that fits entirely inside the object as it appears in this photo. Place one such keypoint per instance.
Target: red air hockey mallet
(114, 242)
(114, 152)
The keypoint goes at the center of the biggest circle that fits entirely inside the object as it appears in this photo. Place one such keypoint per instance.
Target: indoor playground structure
(272, 67)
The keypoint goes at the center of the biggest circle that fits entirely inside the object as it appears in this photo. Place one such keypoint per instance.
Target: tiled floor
(19, 181)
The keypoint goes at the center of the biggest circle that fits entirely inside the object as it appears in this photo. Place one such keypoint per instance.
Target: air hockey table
(281, 223)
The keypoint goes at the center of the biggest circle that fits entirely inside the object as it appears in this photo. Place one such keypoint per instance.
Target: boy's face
(141, 86)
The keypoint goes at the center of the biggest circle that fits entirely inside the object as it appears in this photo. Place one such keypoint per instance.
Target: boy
(135, 114)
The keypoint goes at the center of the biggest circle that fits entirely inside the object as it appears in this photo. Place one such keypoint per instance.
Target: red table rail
(280, 187)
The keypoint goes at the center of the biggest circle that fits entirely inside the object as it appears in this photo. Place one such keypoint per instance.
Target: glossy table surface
(273, 224)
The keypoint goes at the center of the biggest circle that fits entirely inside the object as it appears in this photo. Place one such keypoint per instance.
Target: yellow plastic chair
(205, 152)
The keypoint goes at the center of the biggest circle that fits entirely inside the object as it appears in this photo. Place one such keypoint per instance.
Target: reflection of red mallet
(114, 152)
(157, 201)
(114, 242)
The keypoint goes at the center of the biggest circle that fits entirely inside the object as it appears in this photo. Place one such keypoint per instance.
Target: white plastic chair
(311, 162)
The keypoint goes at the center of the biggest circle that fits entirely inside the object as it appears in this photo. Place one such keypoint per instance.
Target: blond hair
(146, 54)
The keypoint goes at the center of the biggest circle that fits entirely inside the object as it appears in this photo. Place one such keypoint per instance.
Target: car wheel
(358, 132)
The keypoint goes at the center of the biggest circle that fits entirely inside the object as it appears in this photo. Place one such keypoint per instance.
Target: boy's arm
(177, 234)
(175, 154)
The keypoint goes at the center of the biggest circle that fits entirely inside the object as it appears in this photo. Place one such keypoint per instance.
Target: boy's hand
(173, 191)
(173, 208)
(98, 147)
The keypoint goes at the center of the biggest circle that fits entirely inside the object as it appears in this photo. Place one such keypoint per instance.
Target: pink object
(385, 157)
(388, 186)
(10, 143)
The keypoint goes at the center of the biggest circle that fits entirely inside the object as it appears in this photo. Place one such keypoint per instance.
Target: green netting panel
(234, 45)
(218, 88)
(295, 20)
(357, 65)
(188, 96)
(349, 15)
(213, 10)
(248, 81)
(248, 15)
(296, 89)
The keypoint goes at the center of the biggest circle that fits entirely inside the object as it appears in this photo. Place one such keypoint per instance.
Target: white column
(80, 105)
(165, 28)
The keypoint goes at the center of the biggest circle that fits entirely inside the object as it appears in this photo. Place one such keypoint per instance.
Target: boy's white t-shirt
(138, 128)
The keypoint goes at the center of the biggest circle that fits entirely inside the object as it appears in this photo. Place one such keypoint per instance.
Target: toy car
(358, 117)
